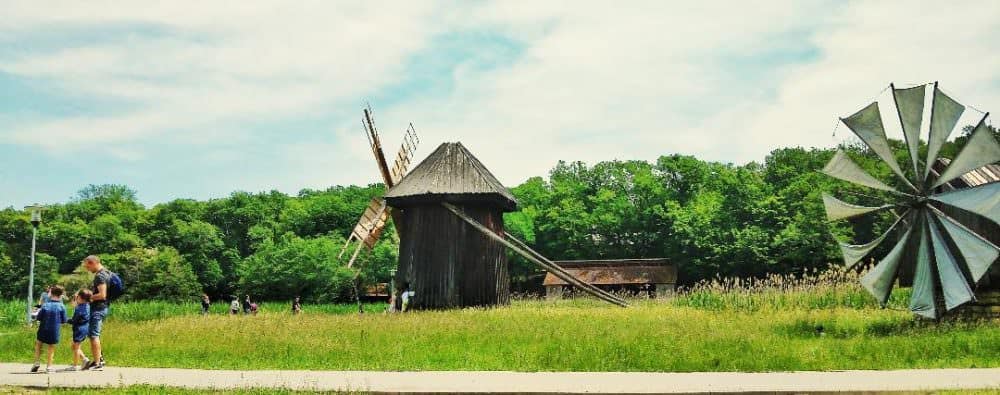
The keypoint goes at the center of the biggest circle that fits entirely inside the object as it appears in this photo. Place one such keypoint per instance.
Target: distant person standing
(234, 307)
(99, 307)
(407, 295)
(296, 306)
(246, 305)
(205, 304)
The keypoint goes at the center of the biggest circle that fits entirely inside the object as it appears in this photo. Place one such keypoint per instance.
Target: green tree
(293, 266)
(155, 273)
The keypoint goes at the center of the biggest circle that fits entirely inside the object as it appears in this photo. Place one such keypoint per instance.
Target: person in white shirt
(234, 307)
(407, 295)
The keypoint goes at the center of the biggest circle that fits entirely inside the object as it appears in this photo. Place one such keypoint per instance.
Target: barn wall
(450, 264)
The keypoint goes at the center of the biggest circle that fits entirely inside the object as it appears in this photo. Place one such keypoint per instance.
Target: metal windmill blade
(945, 257)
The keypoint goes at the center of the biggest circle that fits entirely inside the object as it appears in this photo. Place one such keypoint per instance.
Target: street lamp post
(36, 219)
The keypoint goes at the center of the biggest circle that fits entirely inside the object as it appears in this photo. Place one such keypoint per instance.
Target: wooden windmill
(448, 254)
(452, 248)
(369, 227)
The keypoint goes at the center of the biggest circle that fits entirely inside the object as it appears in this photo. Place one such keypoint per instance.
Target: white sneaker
(70, 369)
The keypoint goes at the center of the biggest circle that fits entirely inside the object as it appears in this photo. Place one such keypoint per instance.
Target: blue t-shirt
(50, 317)
(81, 317)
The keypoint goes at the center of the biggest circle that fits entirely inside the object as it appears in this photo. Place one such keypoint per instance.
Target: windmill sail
(841, 166)
(910, 108)
(405, 155)
(371, 223)
(867, 125)
(954, 285)
(855, 253)
(838, 209)
(977, 252)
(879, 280)
(981, 150)
(945, 113)
(983, 200)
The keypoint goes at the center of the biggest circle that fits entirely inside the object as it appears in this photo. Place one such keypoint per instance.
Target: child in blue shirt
(50, 317)
(81, 326)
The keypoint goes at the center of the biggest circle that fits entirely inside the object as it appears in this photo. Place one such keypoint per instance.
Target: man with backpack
(107, 287)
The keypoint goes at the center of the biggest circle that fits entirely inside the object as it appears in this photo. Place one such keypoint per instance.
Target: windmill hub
(918, 202)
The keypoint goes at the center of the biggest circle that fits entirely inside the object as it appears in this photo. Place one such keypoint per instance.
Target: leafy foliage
(712, 219)
(180, 249)
(294, 266)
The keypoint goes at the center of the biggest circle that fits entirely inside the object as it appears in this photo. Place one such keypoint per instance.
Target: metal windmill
(945, 257)
(369, 227)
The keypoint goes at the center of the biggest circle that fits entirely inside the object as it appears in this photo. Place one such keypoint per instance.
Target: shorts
(80, 333)
(96, 321)
(48, 338)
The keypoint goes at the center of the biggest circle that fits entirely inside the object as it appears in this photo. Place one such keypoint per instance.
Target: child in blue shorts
(50, 317)
(81, 326)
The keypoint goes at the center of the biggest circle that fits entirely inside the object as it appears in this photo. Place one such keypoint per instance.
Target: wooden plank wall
(449, 264)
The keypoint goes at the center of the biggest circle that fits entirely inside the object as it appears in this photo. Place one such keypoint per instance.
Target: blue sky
(188, 100)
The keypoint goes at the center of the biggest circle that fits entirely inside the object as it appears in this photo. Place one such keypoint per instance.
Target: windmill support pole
(355, 282)
(544, 263)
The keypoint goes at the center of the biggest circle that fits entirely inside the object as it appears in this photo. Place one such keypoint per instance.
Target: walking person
(99, 307)
(205, 304)
(50, 317)
(81, 327)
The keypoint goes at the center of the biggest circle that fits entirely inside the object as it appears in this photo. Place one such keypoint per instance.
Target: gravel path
(513, 382)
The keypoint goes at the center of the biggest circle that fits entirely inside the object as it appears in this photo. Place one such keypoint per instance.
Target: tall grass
(819, 289)
(820, 321)
(12, 312)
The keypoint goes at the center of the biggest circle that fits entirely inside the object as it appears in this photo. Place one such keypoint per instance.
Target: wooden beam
(539, 260)
(556, 270)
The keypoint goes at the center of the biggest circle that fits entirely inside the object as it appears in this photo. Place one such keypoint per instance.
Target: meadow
(823, 321)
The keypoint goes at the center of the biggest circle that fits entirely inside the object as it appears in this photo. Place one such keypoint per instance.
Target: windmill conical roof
(452, 174)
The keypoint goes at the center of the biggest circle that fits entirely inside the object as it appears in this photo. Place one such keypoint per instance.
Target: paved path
(511, 382)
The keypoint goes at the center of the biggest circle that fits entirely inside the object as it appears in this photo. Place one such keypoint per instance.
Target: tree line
(711, 219)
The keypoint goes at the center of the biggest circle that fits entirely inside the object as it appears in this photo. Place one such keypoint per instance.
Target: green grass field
(721, 327)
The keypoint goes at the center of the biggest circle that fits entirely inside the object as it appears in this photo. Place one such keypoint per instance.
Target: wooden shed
(444, 261)
(652, 277)
(987, 291)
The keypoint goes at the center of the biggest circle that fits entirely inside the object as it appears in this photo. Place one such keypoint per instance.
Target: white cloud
(637, 82)
(209, 65)
(596, 81)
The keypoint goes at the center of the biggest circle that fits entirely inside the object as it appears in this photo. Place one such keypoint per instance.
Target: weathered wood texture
(449, 264)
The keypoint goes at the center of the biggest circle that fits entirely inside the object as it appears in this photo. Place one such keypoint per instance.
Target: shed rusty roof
(450, 173)
(983, 175)
(617, 272)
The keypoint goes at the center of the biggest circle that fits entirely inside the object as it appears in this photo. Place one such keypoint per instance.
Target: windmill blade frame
(945, 257)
